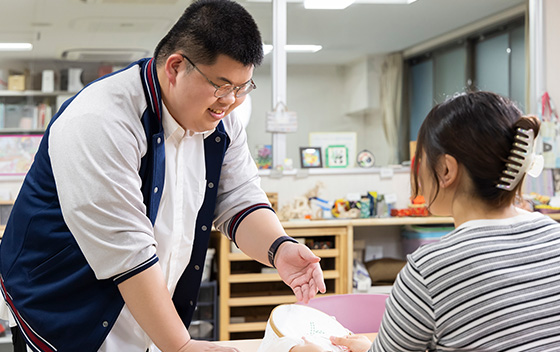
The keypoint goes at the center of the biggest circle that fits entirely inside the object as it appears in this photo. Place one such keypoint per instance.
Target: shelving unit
(247, 296)
(36, 105)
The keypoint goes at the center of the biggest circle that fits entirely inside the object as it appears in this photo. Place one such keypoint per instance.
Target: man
(106, 243)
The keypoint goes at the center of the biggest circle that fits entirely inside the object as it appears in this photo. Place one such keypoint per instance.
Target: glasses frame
(231, 87)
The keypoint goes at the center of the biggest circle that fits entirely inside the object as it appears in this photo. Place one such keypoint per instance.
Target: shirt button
(105, 324)
(204, 228)
(218, 139)
(210, 185)
(191, 303)
(159, 140)
(196, 267)
(156, 190)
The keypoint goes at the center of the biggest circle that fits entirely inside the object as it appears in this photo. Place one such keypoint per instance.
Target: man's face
(191, 100)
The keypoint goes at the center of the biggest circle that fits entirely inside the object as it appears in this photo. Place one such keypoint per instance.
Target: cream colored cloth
(289, 323)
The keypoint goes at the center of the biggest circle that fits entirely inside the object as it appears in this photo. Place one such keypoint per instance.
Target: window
(493, 60)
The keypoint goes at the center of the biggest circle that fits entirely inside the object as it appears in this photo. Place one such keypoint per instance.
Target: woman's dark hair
(478, 130)
(209, 28)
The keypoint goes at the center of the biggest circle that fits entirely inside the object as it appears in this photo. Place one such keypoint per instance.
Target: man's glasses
(226, 89)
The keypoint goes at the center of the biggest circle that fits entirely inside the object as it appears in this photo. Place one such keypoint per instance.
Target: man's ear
(449, 171)
(172, 67)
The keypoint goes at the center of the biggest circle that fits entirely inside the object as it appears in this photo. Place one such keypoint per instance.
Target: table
(253, 345)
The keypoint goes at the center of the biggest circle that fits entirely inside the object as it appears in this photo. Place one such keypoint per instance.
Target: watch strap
(274, 247)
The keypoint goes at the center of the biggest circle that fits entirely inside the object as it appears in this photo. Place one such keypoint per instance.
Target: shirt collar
(171, 127)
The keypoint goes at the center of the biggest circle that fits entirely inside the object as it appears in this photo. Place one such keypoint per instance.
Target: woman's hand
(201, 346)
(354, 343)
(307, 347)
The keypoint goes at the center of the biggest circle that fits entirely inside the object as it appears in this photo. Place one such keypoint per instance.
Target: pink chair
(358, 312)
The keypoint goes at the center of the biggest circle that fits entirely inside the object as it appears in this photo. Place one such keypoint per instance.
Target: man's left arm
(259, 236)
(243, 213)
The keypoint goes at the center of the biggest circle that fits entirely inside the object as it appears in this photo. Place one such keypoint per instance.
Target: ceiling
(114, 30)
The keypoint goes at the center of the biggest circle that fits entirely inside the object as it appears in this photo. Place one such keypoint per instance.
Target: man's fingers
(319, 280)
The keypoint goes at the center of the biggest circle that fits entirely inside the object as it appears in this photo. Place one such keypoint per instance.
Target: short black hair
(478, 129)
(209, 28)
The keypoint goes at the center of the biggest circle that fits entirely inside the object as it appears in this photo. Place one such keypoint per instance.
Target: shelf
(31, 93)
(323, 253)
(257, 277)
(261, 300)
(247, 327)
(332, 171)
(427, 220)
(17, 130)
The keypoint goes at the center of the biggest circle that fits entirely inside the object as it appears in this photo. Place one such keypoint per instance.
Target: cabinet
(204, 324)
(28, 111)
(5, 209)
(249, 290)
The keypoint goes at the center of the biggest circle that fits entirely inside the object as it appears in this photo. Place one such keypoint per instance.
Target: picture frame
(336, 156)
(17, 153)
(310, 157)
(264, 156)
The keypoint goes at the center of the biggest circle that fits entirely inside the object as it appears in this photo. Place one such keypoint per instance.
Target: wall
(318, 95)
(552, 49)
(339, 185)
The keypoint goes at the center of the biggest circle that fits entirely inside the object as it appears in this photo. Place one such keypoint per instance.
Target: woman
(492, 284)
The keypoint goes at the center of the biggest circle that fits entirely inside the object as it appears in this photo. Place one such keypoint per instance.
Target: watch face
(365, 159)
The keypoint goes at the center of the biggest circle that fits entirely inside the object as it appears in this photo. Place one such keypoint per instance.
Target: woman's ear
(449, 171)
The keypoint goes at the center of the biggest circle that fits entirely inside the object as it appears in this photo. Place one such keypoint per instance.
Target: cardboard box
(16, 82)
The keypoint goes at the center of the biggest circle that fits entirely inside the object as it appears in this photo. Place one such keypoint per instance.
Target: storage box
(414, 236)
(47, 81)
(16, 82)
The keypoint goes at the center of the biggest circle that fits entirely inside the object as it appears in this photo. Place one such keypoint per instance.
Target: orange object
(419, 200)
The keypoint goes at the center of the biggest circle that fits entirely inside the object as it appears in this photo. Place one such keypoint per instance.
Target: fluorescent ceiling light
(16, 46)
(267, 48)
(385, 2)
(327, 4)
(378, 2)
(302, 48)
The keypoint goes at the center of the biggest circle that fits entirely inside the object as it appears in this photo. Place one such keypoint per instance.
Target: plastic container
(414, 236)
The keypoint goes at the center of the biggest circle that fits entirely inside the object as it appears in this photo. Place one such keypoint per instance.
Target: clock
(365, 158)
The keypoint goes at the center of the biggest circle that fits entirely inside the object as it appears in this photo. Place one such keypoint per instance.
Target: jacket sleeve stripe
(236, 220)
(33, 340)
(134, 271)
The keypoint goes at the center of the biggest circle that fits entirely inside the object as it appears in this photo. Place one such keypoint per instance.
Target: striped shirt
(490, 285)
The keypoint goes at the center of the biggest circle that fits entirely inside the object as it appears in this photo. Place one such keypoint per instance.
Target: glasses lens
(246, 89)
(224, 90)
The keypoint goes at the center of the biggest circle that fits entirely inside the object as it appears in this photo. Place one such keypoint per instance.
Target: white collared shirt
(182, 198)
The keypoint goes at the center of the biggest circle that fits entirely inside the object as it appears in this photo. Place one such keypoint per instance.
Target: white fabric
(289, 323)
(183, 194)
(95, 151)
(391, 102)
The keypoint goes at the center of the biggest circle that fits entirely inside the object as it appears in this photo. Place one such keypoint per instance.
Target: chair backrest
(358, 312)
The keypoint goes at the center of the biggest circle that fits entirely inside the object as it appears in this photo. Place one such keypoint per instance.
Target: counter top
(392, 221)
(253, 345)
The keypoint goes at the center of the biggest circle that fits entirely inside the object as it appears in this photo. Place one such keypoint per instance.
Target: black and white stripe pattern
(490, 285)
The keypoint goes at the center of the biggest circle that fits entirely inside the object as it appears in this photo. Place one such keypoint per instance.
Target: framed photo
(337, 156)
(327, 139)
(310, 157)
(264, 156)
(17, 152)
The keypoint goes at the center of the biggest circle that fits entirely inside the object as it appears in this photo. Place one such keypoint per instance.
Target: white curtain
(391, 102)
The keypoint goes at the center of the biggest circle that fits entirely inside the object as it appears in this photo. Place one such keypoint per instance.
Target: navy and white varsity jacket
(46, 279)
